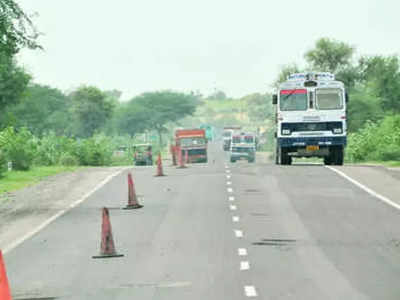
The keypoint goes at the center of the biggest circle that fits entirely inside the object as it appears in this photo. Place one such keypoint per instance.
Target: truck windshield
(293, 100)
(249, 139)
(329, 99)
(195, 141)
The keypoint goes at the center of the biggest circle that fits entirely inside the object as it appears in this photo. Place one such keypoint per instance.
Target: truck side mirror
(347, 97)
(274, 99)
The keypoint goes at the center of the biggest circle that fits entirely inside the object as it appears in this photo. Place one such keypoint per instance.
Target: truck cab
(194, 143)
(311, 118)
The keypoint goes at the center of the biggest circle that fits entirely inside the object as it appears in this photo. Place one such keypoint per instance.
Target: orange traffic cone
(107, 247)
(173, 153)
(181, 161)
(160, 171)
(132, 197)
(5, 293)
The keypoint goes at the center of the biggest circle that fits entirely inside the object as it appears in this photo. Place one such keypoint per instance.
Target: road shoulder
(379, 179)
(31, 207)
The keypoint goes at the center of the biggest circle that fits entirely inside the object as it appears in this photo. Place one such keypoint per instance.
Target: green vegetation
(15, 180)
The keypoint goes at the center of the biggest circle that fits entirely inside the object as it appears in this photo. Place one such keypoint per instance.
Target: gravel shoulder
(27, 208)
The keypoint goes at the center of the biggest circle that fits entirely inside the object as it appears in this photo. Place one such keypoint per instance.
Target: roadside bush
(95, 151)
(19, 147)
(376, 141)
(55, 150)
(68, 159)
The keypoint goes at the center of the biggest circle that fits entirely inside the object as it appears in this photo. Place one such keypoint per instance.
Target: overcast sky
(234, 45)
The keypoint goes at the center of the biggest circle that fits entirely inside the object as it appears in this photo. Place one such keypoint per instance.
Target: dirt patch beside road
(26, 209)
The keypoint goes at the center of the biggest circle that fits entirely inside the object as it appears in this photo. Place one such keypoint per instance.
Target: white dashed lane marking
(228, 176)
(228, 171)
(242, 252)
(238, 233)
(250, 291)
(244, 265)
(235, 219)
(228, 182)
(232, 207)
(231, 198)
(230, 190)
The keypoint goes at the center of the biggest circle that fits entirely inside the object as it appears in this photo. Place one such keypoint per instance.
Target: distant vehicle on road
(143, 154)
(243, 151)
(227, 136)
(194, 142)
(311, 118)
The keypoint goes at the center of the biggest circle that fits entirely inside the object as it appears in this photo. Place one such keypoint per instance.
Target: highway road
(220, 231)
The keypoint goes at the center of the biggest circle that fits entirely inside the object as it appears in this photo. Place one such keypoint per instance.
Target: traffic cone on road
(107, 247)
(160, 171)
(132, 197)
(5, 293)
(181, 161)
(173, 153)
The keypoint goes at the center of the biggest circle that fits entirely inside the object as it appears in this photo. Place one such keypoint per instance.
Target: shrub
(95, 151)
(19, 147)
(68, 159)
(376, 141)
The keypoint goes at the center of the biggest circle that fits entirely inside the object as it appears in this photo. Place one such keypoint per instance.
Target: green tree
(383, 75)
(91, 109)
(284, 72)
(42, 109)
(329, 55)
(154, 110)
(13, 81)
(363, 107)
(16, 29)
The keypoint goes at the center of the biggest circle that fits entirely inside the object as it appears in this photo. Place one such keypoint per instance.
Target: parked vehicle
(143, 154)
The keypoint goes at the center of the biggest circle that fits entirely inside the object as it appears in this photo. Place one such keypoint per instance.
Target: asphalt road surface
(219, 231)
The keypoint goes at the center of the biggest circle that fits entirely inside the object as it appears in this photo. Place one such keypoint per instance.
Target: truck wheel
(338, 155)
(285, 158)
(277, 156)
(327, 160)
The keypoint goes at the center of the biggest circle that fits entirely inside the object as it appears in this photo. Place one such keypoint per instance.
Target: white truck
(311, 118)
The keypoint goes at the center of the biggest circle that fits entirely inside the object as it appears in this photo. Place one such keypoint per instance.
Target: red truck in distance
(194, 142)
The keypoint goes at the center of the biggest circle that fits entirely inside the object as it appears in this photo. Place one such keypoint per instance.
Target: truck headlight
(285, 131)
(337, 130)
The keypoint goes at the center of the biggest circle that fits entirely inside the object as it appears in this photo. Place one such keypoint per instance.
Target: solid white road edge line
(31, 233)
(366, 189)
(250, 291)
